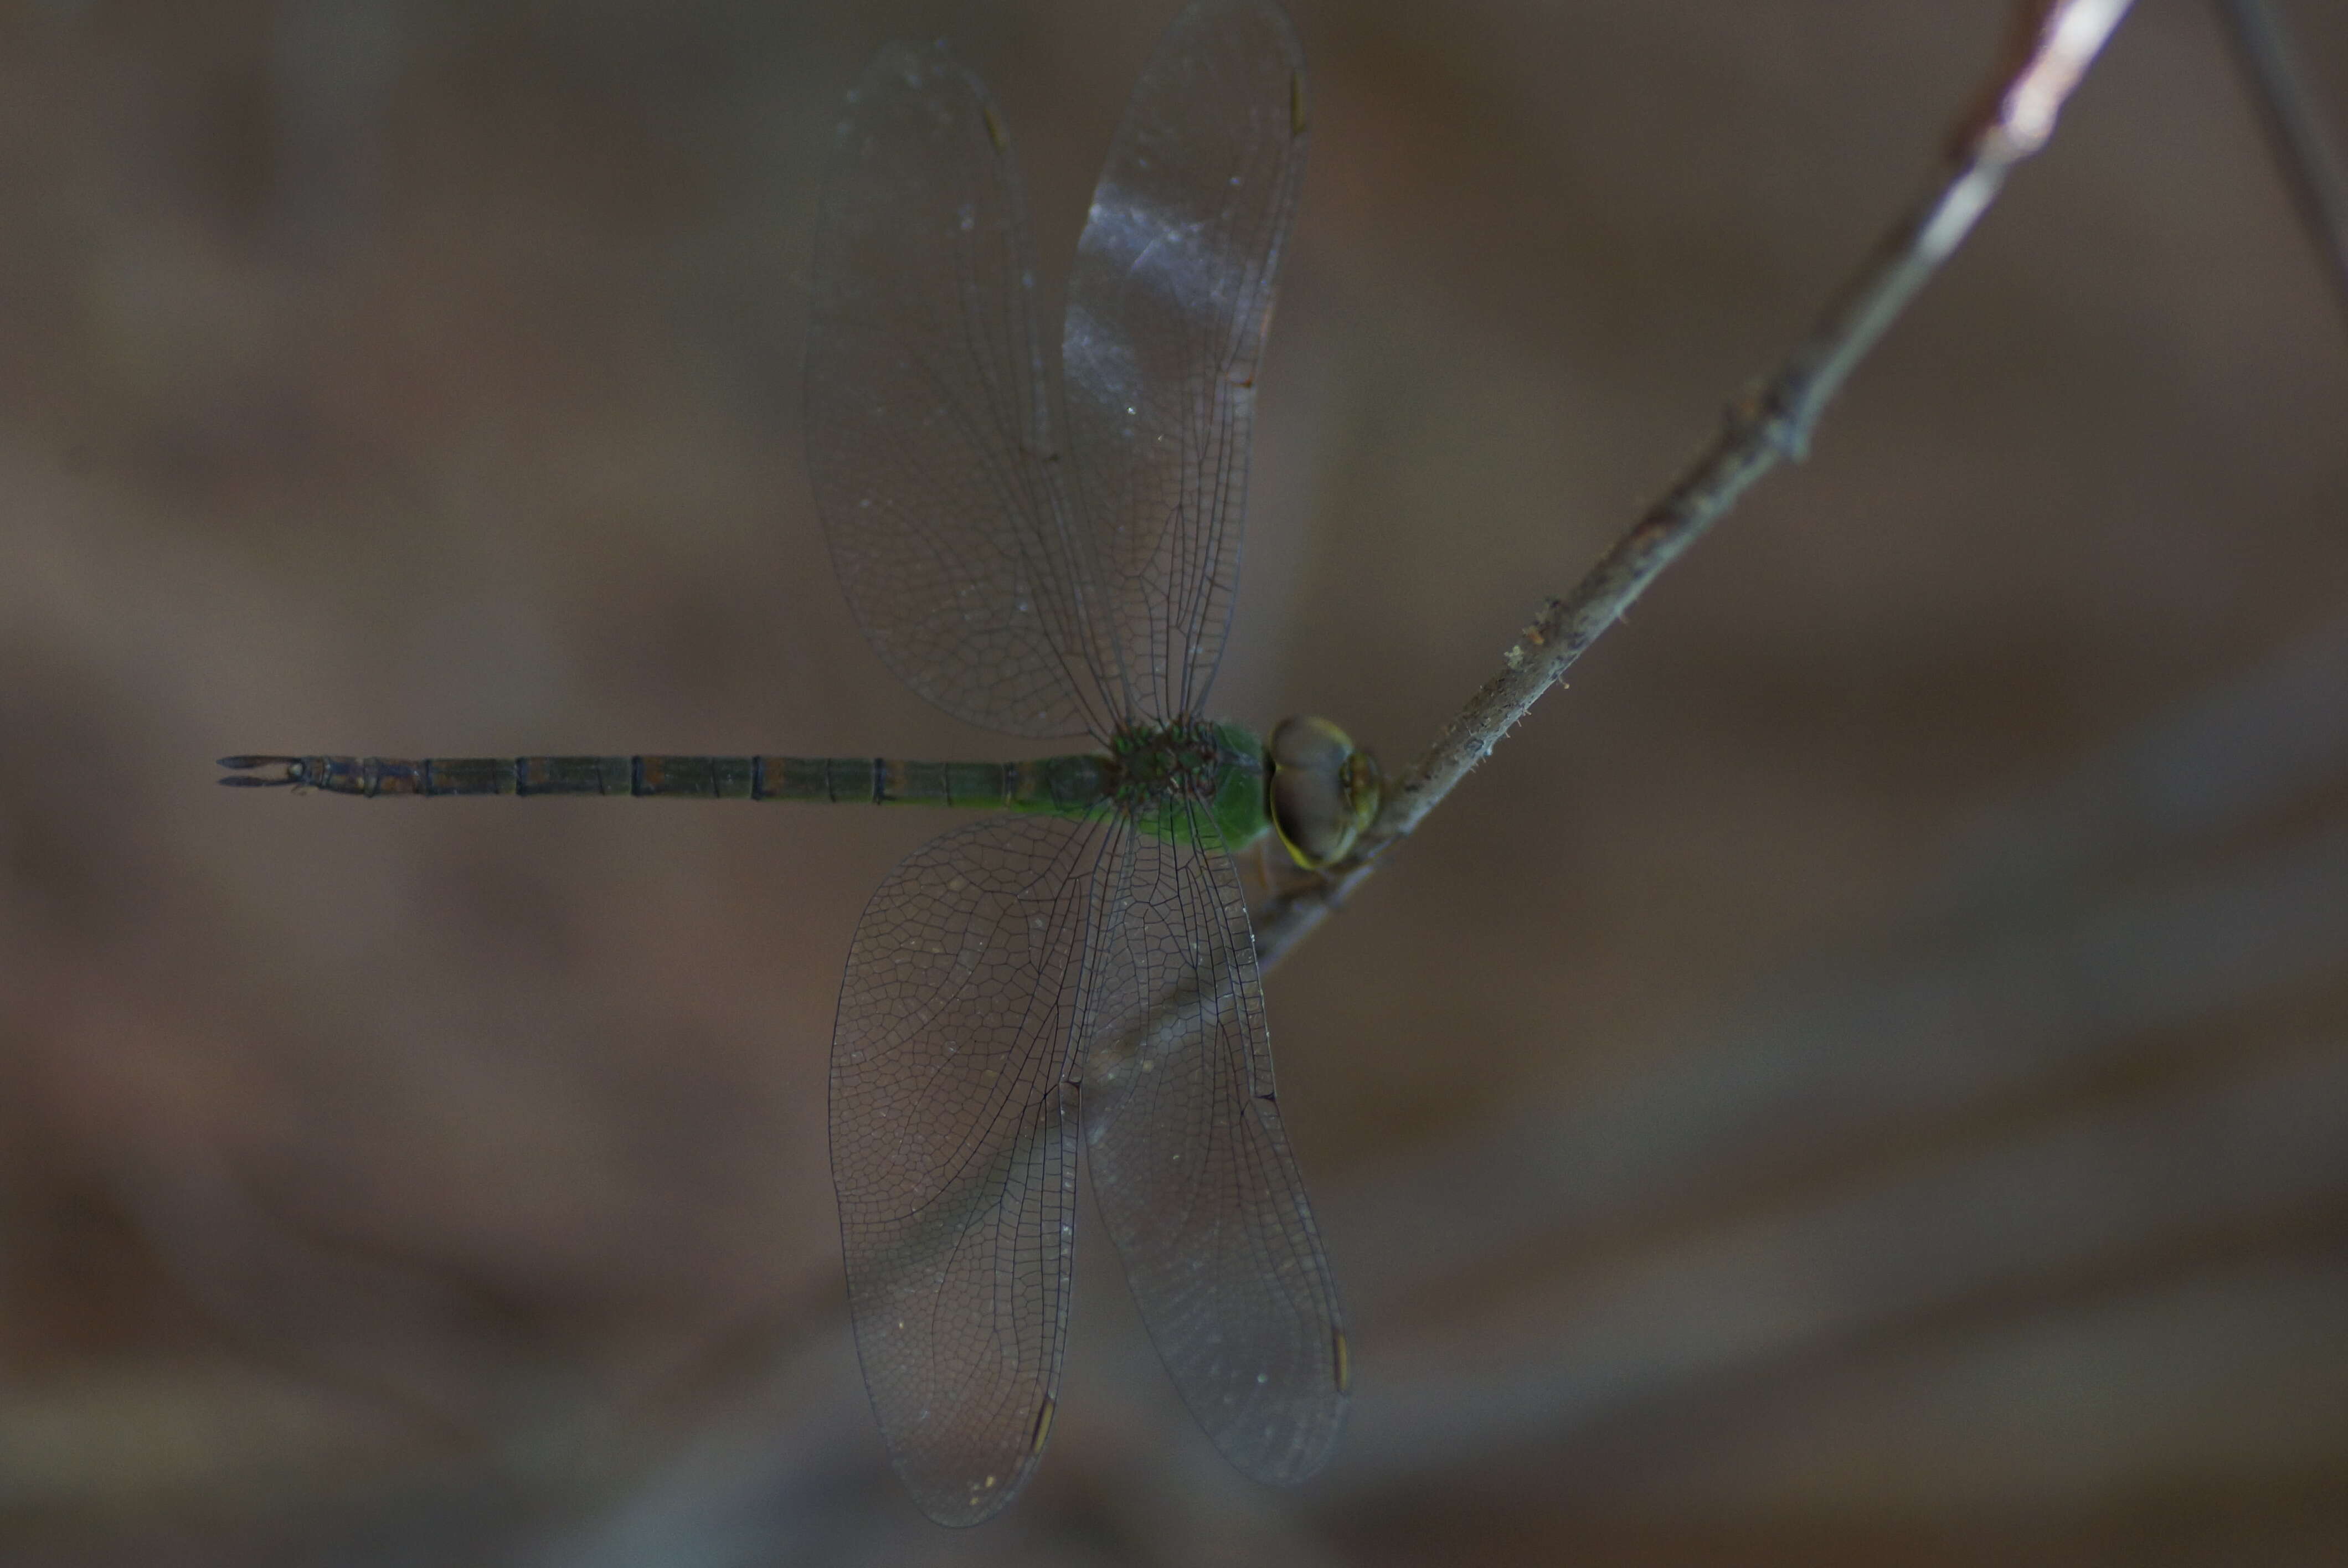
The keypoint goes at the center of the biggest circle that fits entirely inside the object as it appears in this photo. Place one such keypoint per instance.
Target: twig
(2311, 166)
(2050, 45)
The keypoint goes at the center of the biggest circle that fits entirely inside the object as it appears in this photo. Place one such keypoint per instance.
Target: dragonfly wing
(1167, 309)
(952, 1151)
(1190, 1166)
(928, 433)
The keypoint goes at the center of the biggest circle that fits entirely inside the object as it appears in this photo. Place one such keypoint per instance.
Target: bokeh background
(1861, 1078)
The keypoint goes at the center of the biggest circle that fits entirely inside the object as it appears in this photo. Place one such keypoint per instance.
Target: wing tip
(963, 1503)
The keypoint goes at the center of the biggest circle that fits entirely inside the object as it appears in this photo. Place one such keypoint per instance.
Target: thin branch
(2311, 164)
(2049, 47)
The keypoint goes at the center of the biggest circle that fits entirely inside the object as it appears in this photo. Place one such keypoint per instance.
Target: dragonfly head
(1323, 792)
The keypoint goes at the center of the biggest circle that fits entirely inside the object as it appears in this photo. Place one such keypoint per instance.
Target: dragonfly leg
(1278, 871)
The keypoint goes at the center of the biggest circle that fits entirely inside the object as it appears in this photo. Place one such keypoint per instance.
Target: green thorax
(1154, 776)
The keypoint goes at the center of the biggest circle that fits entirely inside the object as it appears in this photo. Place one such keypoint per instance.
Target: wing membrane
(951, 1148)
(1167, 309)
(1191, 1166)
(928, 433)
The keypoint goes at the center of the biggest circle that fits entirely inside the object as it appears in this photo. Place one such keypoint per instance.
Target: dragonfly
(1048, 546)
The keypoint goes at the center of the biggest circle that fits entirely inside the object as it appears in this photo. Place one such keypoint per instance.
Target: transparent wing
(1190, 1166)
(1168, 308)
(927, 434)
(952, 1151)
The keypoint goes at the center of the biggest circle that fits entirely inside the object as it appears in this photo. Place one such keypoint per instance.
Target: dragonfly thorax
(1151, 764)
(1165, 778)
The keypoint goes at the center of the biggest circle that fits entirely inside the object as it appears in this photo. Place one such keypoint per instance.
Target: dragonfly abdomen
(1067, 784)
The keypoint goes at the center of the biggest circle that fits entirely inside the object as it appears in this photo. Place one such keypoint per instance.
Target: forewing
(928, 435)
(1190, 1166)
(1168, 308)
(951, 1149)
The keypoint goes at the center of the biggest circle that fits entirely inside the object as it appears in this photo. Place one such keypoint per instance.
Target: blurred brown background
(1859, 1078)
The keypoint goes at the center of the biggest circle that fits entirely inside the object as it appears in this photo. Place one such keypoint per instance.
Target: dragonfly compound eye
(1323, 792)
